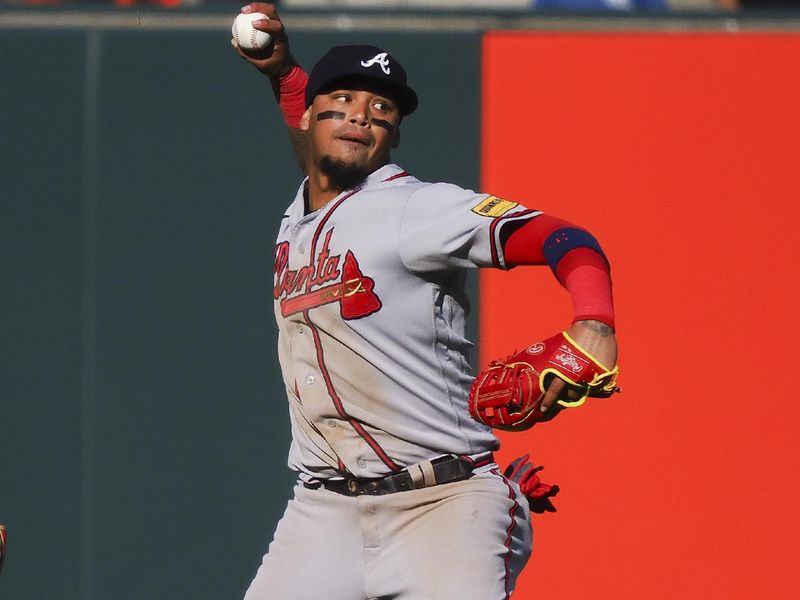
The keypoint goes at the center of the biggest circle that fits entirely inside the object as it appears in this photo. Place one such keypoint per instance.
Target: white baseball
(246, 36)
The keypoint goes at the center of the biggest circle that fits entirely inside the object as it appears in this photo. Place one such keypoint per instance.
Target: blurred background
(143, 426)
(454, 5)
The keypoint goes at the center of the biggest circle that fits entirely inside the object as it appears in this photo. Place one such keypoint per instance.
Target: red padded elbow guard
(583, 271)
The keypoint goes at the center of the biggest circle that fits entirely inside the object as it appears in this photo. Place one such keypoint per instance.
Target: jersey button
(331, 423)
(362, 463)
(310, 380)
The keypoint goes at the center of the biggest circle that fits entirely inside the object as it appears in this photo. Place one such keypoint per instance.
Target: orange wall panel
(680, 152)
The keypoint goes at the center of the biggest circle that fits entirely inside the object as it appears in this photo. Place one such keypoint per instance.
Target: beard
(342, 175)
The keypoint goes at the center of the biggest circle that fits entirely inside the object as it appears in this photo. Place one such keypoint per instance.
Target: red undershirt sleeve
(291, 93)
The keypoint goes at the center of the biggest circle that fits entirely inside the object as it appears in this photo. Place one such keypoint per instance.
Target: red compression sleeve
(292, 96)
(584, 272)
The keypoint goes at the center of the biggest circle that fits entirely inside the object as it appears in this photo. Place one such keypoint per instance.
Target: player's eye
(382, 105)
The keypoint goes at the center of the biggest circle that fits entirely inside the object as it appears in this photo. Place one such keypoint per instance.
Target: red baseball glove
(507, 395)
(538, 493)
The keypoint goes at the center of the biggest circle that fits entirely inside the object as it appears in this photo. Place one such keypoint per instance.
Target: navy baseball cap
(362, 63)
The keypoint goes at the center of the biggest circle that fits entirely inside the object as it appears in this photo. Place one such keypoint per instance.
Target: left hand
(597, 339)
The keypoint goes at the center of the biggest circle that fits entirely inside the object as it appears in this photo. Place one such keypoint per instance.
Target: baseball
(246, 36)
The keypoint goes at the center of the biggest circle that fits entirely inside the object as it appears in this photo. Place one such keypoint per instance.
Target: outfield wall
(681, 152)
(144, 424)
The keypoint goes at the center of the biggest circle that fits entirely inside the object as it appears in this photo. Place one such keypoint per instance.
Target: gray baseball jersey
(370, 307)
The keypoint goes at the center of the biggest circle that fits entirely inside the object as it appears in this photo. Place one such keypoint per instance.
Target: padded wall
(144, 425)
(680, 152)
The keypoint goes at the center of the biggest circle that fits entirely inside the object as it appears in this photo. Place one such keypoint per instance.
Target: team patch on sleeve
(493, 207)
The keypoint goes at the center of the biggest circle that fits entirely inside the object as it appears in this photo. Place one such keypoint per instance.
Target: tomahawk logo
(378, 59)
(327, 280)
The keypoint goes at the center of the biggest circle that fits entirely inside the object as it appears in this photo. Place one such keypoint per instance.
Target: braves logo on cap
(379, 59)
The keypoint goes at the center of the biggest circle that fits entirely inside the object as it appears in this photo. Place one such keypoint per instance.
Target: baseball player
(398, 494)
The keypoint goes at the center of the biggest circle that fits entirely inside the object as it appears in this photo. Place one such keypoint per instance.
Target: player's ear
(305, 119)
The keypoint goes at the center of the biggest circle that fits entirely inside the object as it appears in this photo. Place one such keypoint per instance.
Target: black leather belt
(444, 469)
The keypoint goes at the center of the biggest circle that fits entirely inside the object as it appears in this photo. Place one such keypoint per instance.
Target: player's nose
(360, 113)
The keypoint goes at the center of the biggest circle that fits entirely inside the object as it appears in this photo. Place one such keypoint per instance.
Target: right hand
(275, 60)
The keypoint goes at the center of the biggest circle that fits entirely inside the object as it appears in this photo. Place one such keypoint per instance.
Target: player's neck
(324, 186)
(319, 192)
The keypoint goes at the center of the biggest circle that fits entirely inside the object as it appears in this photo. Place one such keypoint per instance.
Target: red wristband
(292, 96)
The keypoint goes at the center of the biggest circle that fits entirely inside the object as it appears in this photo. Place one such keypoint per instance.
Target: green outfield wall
(143, 426)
